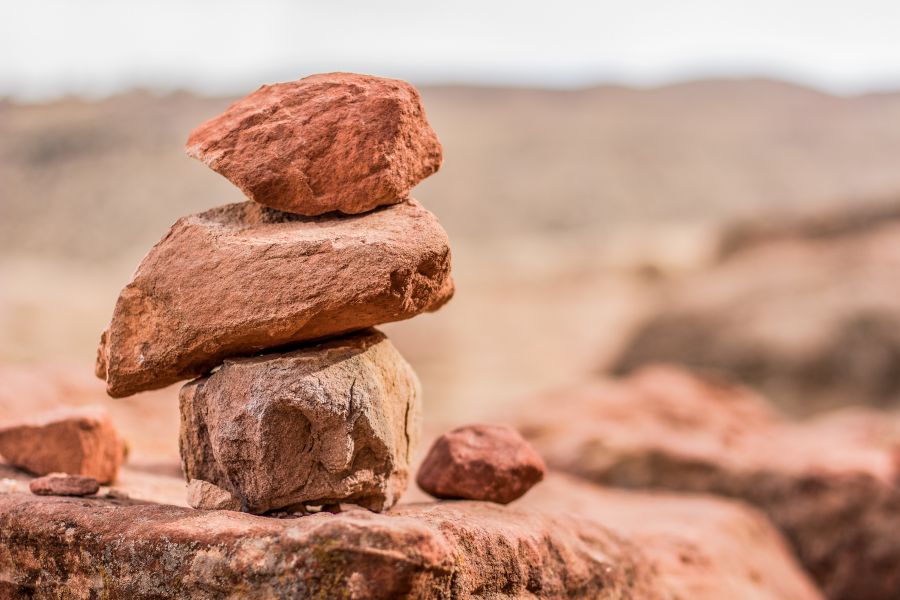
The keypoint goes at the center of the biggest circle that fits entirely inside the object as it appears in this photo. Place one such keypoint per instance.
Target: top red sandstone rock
(330, 142)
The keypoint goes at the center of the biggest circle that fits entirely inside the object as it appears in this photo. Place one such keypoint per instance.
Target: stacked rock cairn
(267, 306)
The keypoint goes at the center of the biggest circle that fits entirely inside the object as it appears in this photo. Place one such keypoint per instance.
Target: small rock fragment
(329, 423)
(78, 441)
(116, 494)
(11, 486)
(207, 496)
(63, 484)
(330, 142)
(481, 462)
(242, 278)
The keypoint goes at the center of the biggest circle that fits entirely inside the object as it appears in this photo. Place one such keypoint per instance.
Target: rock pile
(269, 304)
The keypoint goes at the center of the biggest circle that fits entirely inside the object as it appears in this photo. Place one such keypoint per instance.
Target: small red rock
(481, 462)
(330, 142)
(63, 484)
(78, 441)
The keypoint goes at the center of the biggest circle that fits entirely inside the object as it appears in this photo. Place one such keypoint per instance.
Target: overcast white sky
(95, 47)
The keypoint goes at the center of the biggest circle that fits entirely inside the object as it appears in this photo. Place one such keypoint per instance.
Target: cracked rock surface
(242, 278)
(121, 549)
(329, 142)
(329, 423)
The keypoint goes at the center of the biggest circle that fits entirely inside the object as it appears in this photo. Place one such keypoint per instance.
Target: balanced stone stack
(269, 304)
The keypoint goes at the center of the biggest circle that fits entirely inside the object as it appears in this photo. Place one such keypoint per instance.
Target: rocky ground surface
(806, 311)
(694, 547)
(830, 483)
(566, 539)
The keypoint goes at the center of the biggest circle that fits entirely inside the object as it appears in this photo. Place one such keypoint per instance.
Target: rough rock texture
(334, 422)
(78, 441)
(565, 539)
(809, 316)
(63, 484)
(829, 484)
(699, 547)
(330, 142)
(118, 549)
(206, 496)
(242, 278)
(480, 462)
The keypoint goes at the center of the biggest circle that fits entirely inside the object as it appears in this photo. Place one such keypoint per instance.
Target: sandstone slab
(699, 547)
(119, 549)
(329, 423)
(330, 142)
(78, 441)
(242, 278)
(829, 484)
(63, 484)
(567, 538)
(480, 462)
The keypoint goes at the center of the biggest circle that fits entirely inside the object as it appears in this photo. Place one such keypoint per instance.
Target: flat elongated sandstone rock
(63, 484)
(78, 441)
(330, 142)
(829, 484)
(567, 539)
(480, 462)
(118, 549)
(334, 422)
(242, 278)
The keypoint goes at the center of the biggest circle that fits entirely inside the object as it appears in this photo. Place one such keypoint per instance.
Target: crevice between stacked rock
(269, 303)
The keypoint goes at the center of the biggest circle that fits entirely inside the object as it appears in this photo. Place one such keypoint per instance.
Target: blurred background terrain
(748, 226)
(713, 184)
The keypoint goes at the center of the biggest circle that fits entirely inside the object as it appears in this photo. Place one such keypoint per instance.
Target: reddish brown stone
(85, 548)
(700, 547)
(243, 278)
(829, 484)
(480, 462)
(328, 423)
(62, 484)
(330, 142)
(78, 441)
(567, 538)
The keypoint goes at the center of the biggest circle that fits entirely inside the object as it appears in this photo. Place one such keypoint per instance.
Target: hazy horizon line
(561, 83)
